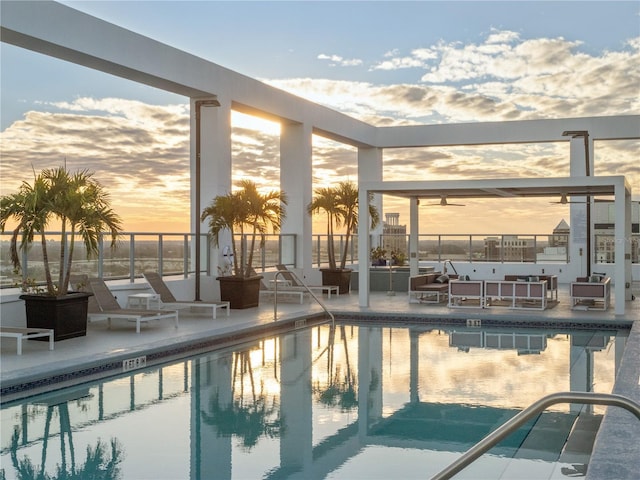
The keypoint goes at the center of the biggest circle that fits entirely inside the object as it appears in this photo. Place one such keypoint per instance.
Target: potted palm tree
(244, 212)
(80, 206)
(340, 204)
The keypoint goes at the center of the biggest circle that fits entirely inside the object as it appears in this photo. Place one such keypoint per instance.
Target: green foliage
(398, 258)
(75, 200)
(378, 253)
(245, 211)
(340, 203)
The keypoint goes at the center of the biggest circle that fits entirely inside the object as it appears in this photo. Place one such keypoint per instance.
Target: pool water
(347, 402)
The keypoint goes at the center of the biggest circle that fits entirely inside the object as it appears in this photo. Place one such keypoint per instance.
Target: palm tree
(30, 208)
(340, 203)
(245, 211)
(347, 200)
(77, 201)
(264, 210)
(326, 200)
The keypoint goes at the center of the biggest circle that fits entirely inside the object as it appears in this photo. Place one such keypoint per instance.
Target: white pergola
(59, 31)
(414, 191)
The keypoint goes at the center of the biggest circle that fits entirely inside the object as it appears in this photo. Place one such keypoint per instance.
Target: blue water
(350, 402)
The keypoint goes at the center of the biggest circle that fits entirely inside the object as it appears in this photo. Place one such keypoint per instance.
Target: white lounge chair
(104, 306)
(283, 290)
(168, 300)
(295, 284)
(21, 334)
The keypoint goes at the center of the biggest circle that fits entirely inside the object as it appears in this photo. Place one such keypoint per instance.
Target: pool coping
(20, 384)
(616, 451)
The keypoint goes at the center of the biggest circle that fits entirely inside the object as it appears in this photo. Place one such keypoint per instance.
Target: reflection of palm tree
(339, 390)
(97, 466)
(250, 421)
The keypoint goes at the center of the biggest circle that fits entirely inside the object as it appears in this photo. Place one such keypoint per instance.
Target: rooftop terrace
(102, 347)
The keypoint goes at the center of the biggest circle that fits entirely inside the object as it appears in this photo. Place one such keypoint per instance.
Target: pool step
(577, 451)
(562, 441)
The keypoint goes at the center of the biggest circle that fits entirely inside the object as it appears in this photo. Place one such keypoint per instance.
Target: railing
(304, 285)
(166, 253)
(528, 413)
(172, 253)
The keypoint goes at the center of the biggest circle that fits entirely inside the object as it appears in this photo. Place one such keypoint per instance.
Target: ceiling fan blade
(443, 203)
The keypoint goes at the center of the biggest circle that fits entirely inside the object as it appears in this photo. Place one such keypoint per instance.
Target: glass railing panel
(455, 248)
(116, 262)
(174, 250)
(146, 253)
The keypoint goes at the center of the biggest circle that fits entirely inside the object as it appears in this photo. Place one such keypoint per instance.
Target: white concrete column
(210, 173)
(414, 230)
(578, 211)
(369, 169)
(622, 237)
(296, 180)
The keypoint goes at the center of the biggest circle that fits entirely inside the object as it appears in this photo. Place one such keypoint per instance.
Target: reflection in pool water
(344, 402)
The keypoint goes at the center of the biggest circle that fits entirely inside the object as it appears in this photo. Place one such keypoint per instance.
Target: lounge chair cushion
(443, 279)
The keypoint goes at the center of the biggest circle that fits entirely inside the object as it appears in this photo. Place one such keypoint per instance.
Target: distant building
(558, 245)
(603, 217)
(509, 248)
(603, 214)
(560, 235)
(394, 235)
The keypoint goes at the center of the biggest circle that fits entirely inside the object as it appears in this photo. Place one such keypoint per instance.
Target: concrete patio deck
(121, 340)
(617, 450)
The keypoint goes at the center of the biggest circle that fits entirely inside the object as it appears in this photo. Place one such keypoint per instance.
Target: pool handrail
(302, 284)
(525, 415)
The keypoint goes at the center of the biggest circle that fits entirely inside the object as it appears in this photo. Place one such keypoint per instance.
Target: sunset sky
(387, 63)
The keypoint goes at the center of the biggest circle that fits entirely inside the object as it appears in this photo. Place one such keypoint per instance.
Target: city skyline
(386, 63)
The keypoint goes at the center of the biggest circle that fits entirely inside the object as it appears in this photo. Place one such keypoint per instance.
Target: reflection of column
(580, 366)
(414, 367)
(369, 378)
(620, 342)
(296, 440)
(210, 452)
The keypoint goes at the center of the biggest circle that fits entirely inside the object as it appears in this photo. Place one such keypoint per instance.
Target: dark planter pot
(67, 315)
(340, 277)
(240, 292)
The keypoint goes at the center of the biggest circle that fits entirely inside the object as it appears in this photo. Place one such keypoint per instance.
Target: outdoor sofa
(466, 293)
(429, 287)
(516, 294)
(590, 293)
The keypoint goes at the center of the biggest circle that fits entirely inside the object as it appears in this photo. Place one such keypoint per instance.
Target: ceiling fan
(564, 200)
(443, 203)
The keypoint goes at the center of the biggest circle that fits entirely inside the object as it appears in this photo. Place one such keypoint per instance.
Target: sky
(386, 63)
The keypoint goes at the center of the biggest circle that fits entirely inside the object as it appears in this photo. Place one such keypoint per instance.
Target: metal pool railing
(304, 285)
(527, 414)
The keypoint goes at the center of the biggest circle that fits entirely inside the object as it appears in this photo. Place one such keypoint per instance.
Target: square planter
(67, 315)
(240, 292)
(342, 278)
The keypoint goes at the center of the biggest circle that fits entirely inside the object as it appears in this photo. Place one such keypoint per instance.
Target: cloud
(338, 61)
(500, 78)
(140, 152)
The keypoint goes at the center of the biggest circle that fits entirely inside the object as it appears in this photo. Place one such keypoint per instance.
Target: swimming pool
(355, 401)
